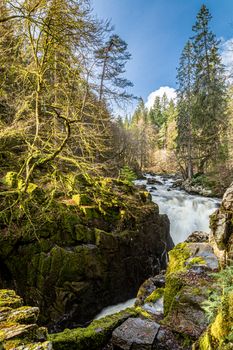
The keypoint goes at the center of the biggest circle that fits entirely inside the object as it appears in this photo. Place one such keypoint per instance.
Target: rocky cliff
(190, 307)
(77, 263)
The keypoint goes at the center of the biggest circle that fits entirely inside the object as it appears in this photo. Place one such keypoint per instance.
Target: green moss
(177, 264)
(84, 234)
(93, 337)
(143, 313)
(177, 258)
(195, 261)
(24, 315)
(11, 179)
(205, 342)
(155, 295)
(8, 298)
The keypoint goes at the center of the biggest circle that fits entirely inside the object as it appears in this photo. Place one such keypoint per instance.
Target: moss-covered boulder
(18, 328)
(94, 337)
(84, 252)
(188, 284)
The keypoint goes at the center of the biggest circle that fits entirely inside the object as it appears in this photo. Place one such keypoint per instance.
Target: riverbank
(190, 319)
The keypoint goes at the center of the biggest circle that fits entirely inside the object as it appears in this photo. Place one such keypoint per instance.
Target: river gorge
(187, 213)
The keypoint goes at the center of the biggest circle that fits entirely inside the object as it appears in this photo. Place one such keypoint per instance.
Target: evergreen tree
(112, 57)
(184, 121)
(155, 114)
(209, 90)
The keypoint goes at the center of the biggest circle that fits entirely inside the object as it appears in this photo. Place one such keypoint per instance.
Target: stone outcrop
(187, 286)
(18, 328)
(75, 265)
(135, 334)
(222, 227)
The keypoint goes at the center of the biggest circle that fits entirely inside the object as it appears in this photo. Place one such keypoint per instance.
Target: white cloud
(227, 56)
(170, 92)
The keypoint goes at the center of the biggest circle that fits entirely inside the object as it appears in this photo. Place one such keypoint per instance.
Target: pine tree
(209, 90)
(184, 121)
(155, 114)
(112, 57)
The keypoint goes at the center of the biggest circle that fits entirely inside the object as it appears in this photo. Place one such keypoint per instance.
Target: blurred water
(110, 310)
(187, 213)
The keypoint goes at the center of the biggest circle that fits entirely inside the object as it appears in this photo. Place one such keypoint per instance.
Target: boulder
(198, 237)
(221, 223)
(191, 188)
(153, 181)
(188, 280)
(135, 333)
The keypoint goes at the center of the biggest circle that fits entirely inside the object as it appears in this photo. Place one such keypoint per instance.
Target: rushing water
(187, 213)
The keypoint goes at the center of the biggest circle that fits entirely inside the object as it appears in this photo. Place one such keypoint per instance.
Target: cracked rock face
(135, 333)
(18, 328)
(221, 223)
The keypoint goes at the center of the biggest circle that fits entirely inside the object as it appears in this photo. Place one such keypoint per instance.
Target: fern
(224, 280)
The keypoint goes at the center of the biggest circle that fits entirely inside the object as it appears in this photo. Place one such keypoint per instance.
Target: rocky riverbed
(169, 312)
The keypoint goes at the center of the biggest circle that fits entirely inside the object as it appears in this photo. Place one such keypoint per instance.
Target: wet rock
(166, 340)
(198, 237)
(135, 333)
(141, 187)
(204, 252)
(177, 183)
(152, 181)
(155, 308)
(148, 287)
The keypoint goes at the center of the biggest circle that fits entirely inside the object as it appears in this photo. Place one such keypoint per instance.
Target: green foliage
(201, 100)
(127, 174)
(224, 286)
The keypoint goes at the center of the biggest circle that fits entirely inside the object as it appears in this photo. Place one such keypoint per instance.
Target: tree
(112, 57)
(209, 91)
(54, 130)
(185, 109)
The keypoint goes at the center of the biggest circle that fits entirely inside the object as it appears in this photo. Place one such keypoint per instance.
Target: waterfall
(187, 213)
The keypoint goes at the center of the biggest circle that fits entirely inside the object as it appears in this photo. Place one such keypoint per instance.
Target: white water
(110, 310)
(187, 213)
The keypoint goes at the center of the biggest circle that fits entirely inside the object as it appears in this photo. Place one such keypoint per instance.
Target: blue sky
(156, 31)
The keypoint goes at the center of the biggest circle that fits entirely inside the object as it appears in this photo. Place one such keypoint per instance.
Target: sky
(156, 32)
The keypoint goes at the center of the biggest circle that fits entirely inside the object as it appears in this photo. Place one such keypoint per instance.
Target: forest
(79, 229)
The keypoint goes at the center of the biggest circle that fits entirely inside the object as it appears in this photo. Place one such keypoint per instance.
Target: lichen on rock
(18, 328)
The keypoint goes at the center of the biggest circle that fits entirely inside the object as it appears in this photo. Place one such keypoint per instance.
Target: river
(187, 213)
